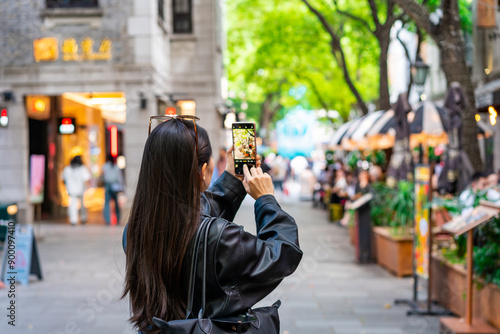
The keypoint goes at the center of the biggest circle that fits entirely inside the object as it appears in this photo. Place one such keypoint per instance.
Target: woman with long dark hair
(171, 200)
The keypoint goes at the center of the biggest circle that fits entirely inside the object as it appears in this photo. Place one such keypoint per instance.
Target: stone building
(486, 70)
(90, 73)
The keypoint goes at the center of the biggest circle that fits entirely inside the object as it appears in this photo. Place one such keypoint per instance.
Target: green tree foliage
(274, 46)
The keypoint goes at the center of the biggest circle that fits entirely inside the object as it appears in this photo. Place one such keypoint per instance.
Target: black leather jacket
(242, 268)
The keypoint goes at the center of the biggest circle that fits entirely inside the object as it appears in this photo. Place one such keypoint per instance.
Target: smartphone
(244, 146)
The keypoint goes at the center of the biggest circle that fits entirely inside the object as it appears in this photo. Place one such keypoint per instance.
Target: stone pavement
(329, 292)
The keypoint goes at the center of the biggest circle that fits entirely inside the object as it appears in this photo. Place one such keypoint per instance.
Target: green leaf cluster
(402, 205)
(487, 253)
(393, 207)
(380, 210)
(273, 46)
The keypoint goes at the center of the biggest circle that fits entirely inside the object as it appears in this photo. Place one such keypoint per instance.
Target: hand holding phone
(257, 183)
(244, 146)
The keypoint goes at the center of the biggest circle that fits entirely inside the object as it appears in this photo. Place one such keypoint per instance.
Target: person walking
(113, 184)
(76, 178)
(171, 202)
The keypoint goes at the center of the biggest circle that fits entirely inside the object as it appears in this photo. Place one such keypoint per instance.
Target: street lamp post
(419, 72)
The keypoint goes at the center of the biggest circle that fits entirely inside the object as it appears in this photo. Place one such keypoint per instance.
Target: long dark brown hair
(163, 219)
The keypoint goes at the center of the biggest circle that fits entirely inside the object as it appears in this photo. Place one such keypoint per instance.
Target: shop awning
(339, 134)
(358, 140)
(428, 126)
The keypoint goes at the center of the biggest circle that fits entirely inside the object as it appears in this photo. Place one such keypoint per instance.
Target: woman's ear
(203, 170)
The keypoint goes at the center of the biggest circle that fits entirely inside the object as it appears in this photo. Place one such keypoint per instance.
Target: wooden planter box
(449, 288)
(394, 253)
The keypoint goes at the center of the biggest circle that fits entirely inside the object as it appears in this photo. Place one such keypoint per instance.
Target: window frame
(182, 16)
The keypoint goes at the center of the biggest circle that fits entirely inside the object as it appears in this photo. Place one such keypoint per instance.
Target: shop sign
(486, 11)
(67, 126)
(27, 261)
(47, 49)
(38, 107)
(422, 228)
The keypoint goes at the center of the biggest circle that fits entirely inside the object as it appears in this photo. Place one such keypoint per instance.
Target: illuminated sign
(38, 107)
(4, 119)
(67, 126)
(493, 115)
(113, 140)
(170, 111)
(46, 49)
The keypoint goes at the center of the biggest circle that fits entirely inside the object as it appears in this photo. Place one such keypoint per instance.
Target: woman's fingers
(247, 173)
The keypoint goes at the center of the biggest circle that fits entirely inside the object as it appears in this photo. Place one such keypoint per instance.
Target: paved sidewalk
(329, 292)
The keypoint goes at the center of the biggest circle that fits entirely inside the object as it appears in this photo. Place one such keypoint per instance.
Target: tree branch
(418, 13)
(315, 91)
(337, 47)
(373, 7)
(322, 19)
(407, 53)
(391, 17)
(352, 16)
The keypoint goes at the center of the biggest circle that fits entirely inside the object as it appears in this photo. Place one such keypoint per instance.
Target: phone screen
(244, 146)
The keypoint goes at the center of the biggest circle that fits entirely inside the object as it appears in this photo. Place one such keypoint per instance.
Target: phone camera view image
(245, 150)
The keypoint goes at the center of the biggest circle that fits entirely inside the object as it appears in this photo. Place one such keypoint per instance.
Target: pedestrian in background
(279, 171)
(113, 184)
(221, 163)
(76, 178)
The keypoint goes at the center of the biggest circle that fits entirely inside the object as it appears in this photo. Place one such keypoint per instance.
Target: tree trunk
(266, 116)
(455, 68)
(451, 44)
(384, 102)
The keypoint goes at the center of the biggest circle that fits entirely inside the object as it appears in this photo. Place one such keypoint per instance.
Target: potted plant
(394, 242)
(380, 209)
(448, 266)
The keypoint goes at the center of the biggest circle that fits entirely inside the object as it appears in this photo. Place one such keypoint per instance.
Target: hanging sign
(486, 12)
(461, 224)
(421, 244)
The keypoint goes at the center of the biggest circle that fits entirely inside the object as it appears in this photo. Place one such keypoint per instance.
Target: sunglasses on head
(165, 118)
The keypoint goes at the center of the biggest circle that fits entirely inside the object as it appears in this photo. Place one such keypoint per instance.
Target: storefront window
(182, 16)
(70, 3)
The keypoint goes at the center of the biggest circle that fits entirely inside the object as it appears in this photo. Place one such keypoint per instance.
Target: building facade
(89, 74)
(486, 69)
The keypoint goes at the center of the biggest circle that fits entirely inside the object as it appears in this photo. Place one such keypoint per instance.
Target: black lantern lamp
(419, 72)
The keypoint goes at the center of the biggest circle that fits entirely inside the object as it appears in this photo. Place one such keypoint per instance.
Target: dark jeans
(108, 196)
